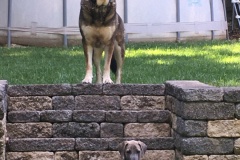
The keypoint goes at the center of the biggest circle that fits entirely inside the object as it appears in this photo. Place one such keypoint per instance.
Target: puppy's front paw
(87, 80)
(107, 81)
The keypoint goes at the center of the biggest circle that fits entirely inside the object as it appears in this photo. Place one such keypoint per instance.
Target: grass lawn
(213, 62)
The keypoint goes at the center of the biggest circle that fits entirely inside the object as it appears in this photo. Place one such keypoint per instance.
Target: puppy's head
(132, 150)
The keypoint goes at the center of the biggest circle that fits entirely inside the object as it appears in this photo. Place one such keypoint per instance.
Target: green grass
(213, 62)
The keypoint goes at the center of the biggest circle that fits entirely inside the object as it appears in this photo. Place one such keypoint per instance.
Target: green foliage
(213, 62)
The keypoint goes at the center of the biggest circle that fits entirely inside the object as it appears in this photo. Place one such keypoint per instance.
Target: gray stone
(237, 146)
(161, 116)
(37, 103)
(206, 146)
(147, 130)
(56, 116)
(95, 102)
(224, 157)
(23, 116)
(143, 102)
(99, 155)
(205, 110)
(232, 94)
(89, 116)
(117, 89)
(193, 91)
(29, 130)
(91, 144)
(30, 156)
(148, 89)
(87, 89)
(39, 90)
(189, 128)
(66, 156)
(74, 130)
(63, 103)
(41, 144)
(159, 155)
(111, 130)
(238, 111)
(121, 117)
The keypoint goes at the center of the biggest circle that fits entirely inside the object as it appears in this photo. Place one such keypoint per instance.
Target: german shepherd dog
(102, 29)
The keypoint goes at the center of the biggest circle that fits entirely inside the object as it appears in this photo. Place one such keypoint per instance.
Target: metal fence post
(212, 17)
(9, 23)
(178, 18)
(126, 17)
(65, 40)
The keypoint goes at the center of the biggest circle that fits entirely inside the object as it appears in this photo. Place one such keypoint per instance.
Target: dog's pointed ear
(143, 147)
(121, 148)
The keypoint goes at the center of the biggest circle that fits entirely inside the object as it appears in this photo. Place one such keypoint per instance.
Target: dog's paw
(87, 80)
(107, 81)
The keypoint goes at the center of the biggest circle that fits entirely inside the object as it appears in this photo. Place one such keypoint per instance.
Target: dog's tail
(113, 65)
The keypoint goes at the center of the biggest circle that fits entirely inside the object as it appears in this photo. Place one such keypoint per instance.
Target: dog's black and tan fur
(102, 29)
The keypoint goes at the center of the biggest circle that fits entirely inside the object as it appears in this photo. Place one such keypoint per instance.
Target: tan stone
(30, 156)
(147, 130)
(29, 130)
(99, 155)
(224, 157)
(195, 157)
(237, 146)
(66, 156)
(143, 102)
(224, 128)
(31, 103)
(159, 155)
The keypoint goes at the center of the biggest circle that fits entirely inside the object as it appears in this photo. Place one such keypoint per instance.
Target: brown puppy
(102, 29)
(132, 150)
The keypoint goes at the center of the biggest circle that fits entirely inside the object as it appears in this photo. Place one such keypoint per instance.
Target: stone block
(237, 146)
(89, 116)
(205, 110)
(97, 102)
(193, 91)
(40, 90)
(2, 130)
(30, 156)
(224, 128)
(238, 111)
(111, 130)
(91, 144)
(189, 128)
(147, 130)
(160, 116)
(156, 143)
(232, 94)
(66, 156)
(179, 156)
(56, 116)
(134, 89)
(99, 155)
(143, 102)
(1, 110)
(23, 116)
(29, 130)
(87, 89)
(63, 102)
(37, 103)
(121, 116)
(40, 144)
(159, 154)
(224, 157)
(74, 130)
(206, 146)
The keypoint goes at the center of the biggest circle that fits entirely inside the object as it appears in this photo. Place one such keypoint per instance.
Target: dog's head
(132, 150)
(101, 2)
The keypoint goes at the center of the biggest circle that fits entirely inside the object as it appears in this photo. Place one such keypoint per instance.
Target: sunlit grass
(213, 62)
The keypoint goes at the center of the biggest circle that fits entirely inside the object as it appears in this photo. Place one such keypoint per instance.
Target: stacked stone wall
(180, 120)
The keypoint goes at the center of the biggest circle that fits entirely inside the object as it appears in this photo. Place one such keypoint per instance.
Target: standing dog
(132, 150)
(102, 29)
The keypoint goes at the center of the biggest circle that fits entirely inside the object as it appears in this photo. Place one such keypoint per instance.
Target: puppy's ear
(143, 147)
(121, 148)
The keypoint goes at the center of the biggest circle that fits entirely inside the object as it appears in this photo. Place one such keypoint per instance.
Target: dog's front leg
(97, 62)
(88, 51)
(108, 57)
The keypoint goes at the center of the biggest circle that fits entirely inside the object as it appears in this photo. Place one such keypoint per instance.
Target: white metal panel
(44, 12)
(3, 13)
